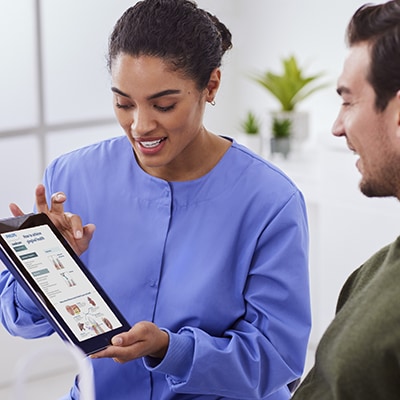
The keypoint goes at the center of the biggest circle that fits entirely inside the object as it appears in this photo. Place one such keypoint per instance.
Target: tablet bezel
(20, 273)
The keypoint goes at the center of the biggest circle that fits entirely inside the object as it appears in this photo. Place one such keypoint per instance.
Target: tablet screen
(61, 281)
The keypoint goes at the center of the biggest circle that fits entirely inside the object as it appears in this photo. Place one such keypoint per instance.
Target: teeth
(151, 144)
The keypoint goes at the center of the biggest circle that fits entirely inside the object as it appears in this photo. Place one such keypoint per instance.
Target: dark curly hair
(379, 26)
(186, 37)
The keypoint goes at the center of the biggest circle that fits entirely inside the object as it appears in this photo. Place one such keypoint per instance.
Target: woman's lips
(150, 144)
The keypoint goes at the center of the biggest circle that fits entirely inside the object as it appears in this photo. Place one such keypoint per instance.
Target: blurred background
(55, 96)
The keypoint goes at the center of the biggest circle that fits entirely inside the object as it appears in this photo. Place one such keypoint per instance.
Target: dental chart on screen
(53, 275)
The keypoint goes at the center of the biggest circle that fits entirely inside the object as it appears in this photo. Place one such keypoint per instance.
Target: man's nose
(338, 127)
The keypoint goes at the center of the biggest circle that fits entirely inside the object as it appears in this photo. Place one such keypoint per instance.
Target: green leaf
(290, 86)
(250, 124)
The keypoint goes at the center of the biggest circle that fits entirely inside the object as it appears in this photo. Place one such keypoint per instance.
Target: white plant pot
(300, 123)
(281, 145)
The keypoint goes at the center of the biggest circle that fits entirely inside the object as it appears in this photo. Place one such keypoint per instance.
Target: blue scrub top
(220, 262)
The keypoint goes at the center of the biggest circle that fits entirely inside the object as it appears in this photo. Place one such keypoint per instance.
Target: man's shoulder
(384, 262)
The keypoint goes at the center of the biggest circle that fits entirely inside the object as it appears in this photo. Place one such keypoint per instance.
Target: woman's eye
(122, 106)
(165, 109)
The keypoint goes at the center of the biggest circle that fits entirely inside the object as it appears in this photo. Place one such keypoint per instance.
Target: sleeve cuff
(178, 360)
(25, 303)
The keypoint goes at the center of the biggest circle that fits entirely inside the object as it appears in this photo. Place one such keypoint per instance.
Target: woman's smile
(150, 144)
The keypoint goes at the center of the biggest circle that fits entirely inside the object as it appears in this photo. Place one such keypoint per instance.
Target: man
(359, 354)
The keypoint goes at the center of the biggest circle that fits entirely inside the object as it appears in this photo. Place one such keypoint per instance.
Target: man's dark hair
(379, 26)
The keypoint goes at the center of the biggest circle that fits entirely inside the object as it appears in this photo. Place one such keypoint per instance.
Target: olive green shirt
(358, 357)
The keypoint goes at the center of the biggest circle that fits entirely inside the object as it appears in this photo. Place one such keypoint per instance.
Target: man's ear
(213, 85)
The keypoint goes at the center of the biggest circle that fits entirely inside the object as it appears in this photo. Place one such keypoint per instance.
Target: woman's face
(160, 111)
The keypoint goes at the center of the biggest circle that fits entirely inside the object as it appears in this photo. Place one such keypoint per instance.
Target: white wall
(265, 31)
(60, 101)
(74, 84)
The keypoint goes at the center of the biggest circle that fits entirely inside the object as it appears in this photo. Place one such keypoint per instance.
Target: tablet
(52, 274)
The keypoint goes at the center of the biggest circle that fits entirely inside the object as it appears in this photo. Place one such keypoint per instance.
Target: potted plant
(250, 127)
(290, 87)
(281, 132)
(250, 124)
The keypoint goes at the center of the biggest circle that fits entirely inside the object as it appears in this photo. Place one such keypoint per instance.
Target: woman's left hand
(143, 339)
(70, 225)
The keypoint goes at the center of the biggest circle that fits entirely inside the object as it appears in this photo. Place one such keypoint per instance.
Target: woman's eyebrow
(163, 93)
(151, 97)
(120, 92)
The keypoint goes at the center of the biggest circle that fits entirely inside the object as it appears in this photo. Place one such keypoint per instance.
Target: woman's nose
(142, 122)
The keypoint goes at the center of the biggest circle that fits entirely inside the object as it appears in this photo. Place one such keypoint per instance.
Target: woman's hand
(143, 339)
(70, 225)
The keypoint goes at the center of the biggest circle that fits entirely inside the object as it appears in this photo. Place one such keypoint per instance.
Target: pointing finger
(41, 202)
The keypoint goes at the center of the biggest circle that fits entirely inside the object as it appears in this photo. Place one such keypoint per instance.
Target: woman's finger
(75, 223)
(15, 210)
(88, 231)
(57, 203)
(41, 202)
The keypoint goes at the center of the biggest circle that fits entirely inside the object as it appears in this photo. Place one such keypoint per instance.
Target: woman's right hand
(70, 225)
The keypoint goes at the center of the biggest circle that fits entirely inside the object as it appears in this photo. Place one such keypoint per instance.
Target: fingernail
(116, 341)
(59, 196)
(78, 235)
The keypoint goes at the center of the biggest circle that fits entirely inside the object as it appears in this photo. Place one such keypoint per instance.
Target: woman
(200, 243)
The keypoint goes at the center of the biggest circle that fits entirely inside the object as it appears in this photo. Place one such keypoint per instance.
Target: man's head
(379, 26)
(369, 85)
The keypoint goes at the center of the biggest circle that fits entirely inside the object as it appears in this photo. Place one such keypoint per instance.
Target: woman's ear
(213, 85)
(397, 105)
